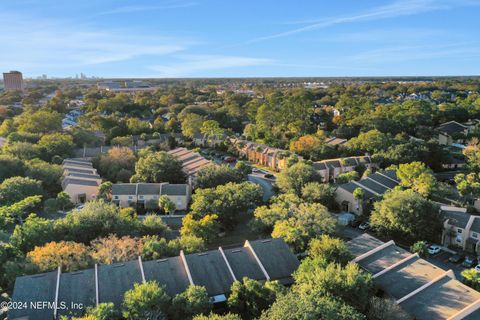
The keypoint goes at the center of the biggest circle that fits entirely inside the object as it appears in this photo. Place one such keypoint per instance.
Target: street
(266, 185)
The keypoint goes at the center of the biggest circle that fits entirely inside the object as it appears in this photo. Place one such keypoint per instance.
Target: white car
(434, 249)
(364, 226)
(477, 268)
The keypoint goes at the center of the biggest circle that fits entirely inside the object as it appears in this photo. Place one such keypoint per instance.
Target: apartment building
(13, 81)
(330, 169)
(460, 229)
(80, 180)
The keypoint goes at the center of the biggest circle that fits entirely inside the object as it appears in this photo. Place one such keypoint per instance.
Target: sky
(247, 38)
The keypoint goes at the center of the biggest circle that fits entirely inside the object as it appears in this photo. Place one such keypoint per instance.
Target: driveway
(266, 185)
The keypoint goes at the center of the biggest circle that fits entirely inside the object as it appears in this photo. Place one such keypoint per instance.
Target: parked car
(268, 176)
(364, 226)
(434, 249)
(355, 223)
(457, 258)
(477, 268)
(469, 261)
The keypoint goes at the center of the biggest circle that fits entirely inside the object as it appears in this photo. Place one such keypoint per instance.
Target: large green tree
(294, 178)
(146, 301)
(158, 167)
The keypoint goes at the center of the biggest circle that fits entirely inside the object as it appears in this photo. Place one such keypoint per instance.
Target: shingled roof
(214, 269)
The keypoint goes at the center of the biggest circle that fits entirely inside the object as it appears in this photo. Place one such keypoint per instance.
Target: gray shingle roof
(115, 279)
(67, 181)
(243, 264)
(209, 269)
(83, 175)
(451, 127)
(456, 218)
(85, 171)
(174, 189)
(372, 185)
(77, 287)
(350, 187)
(383, 180)
(148, 188)
(476, 225)
(124, 189)
(276, 258)
(168, 272)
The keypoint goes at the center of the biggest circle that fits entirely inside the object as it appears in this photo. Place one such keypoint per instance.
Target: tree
(347, 177)
(105, 190)
(318, 192)
(42, 121)
(158, 167)
(330, 249)
(146, 301)
(117, 164)
(113, 249)
(154, 225)
(386, 309)
(205, 228)
(420, 247)
(417, 176)
(468, 185)
(371, 141)
(295, 177)
(56, 144)
(250, 297)
(68, 255)
(104, 311)
(471, 278)
(406, 215)
(214, 316)
(17, 211)
(63, 200)
(211, 128)
(167, 205)
(10, 167)
(35, 231)
(244, 168)
(214, 175)
(306, 145)
(227, 201)
(16, 189)
(191, 124)
(49, 174)
(307, 221)
(193, 301)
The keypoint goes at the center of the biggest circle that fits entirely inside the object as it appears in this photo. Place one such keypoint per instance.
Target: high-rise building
(13, 80)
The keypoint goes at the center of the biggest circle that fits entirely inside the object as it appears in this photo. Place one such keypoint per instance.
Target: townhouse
(80, 180)
(273, 158)
(216, 270)
(191, 161)
(330, 169)
(422, 290)
(146, 195)
(373, 186)
(460, 229)
(453, 132)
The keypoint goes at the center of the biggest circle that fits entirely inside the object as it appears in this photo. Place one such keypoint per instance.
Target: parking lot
(441, 261)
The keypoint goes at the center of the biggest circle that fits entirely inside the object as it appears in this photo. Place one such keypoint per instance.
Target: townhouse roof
(210, 270)
(390, 174)
(148, 188)
(192, 162)
(68, 170)
(174, 189)
(169, 272)
(72, 181)
(115, 279)
(85, 175)
(110, 282)
(385, 181)
(333, 163)
(339, 162)
(279, 262)
(351, 161)
(372, 185)
(451, 127)
(319, 165)
(457, 217)
(76, 163)
(334, 141)
(124, 189)
(351, 186)
(422, 289)
(243, 264)
(476, 225)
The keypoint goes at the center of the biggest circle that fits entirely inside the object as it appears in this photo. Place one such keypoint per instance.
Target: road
(266, 185)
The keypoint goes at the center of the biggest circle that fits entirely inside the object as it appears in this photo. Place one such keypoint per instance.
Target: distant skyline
(217, 38)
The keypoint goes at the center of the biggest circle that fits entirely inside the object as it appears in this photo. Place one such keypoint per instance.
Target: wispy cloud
(141, 8)
(395, 9)
(191, 65)
(48, 44)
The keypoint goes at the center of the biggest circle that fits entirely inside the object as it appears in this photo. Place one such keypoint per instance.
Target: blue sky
(222, 38)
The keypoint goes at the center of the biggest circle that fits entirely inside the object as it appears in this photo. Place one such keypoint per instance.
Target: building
(146, 195)
(455, 133)
(460, 229)
(192, 162)
(80, 180)
(13, 80)
(126, 86)
(216, 270)
(270, 157)
(420, 288)
(334, 141)
(200, 139)
(330, 169)
(373, 186)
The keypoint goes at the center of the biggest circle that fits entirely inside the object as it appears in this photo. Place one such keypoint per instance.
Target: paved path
(266, 185)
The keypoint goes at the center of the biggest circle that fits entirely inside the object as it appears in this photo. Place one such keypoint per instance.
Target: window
(475, 235)
(130, 197)
(141, 197)
(459, 230)
(115, 197)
